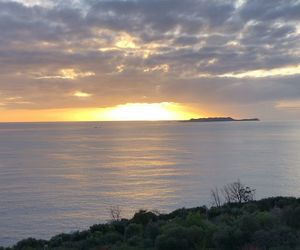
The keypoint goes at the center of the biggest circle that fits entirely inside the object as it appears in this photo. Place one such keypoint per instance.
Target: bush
(133, 230)
(248, 224)
(175, 239)
(262, 239)
(30, 243)
(104, 228)
(144, 217)
(179, 237)
(266, 220)
(111, 238)
(120, 226)
(291, 216)
(152, 231)
(228, 238)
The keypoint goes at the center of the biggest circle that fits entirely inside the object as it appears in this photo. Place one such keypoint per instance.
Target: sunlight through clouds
(125, 41)
(285, 71)
(81, 94)
(44, 3)
(70, 74)
(163, 67)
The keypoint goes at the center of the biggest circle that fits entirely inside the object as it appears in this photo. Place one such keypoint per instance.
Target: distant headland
(221, 119)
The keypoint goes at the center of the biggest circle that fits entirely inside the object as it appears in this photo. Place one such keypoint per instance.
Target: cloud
(163, 67)
(285, 71)
(292, 105)
(271, 10)
(219, 51)
(69, 74)
(81, 94)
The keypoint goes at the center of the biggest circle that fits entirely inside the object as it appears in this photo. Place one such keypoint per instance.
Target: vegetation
(235, 192)
(272, 223)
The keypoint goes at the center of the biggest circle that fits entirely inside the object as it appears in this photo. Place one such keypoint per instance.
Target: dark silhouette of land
(272, 223)
(221, 119)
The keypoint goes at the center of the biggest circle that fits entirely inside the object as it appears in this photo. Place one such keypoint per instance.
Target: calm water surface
(61, 177)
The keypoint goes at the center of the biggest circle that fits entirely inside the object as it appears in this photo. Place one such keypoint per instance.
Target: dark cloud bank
(192, 51)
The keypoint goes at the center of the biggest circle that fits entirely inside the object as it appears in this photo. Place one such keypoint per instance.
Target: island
(220, 119)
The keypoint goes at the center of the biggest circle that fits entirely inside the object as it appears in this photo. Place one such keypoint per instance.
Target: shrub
(30, 243)
(132, 230)
(266, 220)
(291, 216)
(144, 217)
(152, 231)
(248, 224)
(262, 239)
(111, 238)
(228, 238)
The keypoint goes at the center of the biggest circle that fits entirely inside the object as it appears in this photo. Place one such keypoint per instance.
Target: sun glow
(124, 112)
(145, 112)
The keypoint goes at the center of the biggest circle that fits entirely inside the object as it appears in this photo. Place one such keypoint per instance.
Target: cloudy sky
(67, 59)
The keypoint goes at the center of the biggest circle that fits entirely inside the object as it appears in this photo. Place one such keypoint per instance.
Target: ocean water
(62, 177)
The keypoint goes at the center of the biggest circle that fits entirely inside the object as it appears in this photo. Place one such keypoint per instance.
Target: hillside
(272, 223)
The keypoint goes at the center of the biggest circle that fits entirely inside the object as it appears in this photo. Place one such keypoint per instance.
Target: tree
(144, 217)
(237, 192)
(216, 198)
(115, 213)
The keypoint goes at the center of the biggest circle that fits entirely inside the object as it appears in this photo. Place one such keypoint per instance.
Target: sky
(132, 59)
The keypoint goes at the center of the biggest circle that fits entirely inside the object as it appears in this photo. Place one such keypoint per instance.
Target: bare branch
(215, 196)
(115, 213)
(237, 192)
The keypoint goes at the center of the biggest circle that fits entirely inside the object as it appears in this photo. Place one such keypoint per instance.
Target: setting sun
(145, 112)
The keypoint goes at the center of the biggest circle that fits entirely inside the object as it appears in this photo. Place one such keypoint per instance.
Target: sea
(62, 177)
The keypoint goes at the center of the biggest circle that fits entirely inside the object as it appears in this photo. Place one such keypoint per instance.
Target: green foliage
(104, 228)
(272, 224)
(262, 239)
(175, 238)
(248, 224)
(144, 217)
(152, 230)
(133, 230)
(111, 238)
(228, 237)
(120, 226)
(30, 243)
(267, 220)
(292, 216)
